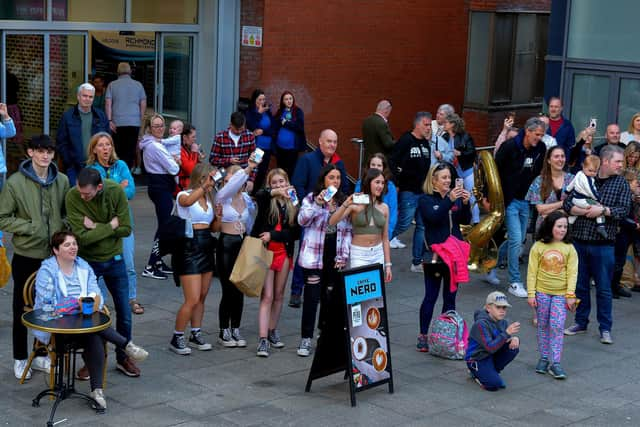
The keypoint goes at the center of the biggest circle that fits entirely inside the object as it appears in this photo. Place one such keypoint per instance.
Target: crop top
(368, 221)
(225, 196)
(195, 211)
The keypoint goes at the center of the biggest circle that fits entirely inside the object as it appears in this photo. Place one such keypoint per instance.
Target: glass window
(28, 10)
(89, 10)
(165, 11)
(628, 102)
(478, 62)
(177, 54)
(600, 30)
(503, 44)
(589, 99)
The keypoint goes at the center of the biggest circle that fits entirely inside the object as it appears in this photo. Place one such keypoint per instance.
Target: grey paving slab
(231, 387)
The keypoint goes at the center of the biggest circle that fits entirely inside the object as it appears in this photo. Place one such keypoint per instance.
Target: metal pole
(360, 143)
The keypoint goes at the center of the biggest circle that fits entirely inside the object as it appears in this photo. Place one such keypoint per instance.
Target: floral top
(534, 198)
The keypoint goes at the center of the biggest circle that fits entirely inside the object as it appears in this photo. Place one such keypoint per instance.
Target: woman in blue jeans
(161, 169)
(442, 209)
(101, 155)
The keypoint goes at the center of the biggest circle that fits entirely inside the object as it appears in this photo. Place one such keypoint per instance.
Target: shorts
(279, 258)
(362, 255)
(197, 257)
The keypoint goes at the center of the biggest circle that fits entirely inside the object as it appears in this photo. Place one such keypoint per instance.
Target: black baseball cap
(41, 141)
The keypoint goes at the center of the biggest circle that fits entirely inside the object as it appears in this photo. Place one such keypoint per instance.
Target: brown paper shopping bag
(251, 267)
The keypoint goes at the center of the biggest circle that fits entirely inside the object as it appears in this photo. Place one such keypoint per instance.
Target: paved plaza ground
(234, 387)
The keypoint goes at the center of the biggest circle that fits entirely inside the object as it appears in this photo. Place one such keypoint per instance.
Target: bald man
(376, 133)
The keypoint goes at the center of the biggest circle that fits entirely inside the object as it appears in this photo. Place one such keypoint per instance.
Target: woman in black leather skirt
(196, 263)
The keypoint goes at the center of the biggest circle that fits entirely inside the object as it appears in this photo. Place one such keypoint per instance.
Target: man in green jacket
(376, 135)
(31, 208)
(98, 213)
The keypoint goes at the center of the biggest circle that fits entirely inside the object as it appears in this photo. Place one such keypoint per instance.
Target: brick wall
(25, 56)
(340, 58)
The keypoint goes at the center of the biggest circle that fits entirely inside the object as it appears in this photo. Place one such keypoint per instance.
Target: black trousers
(287, 160)
(232, 301)
(21, 268)
(125, 140)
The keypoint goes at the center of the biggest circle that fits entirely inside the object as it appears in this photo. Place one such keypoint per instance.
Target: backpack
(448, 336)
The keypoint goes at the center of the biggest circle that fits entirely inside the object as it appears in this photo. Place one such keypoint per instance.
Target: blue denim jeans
(516, 218)
(114, 274)
(597, 262)
(488, 369)
(407, 204)
(128, 248)
(297, 278)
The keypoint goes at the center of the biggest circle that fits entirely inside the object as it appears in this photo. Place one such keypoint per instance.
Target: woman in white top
(196, 263)
(238, 212)
(633, 131)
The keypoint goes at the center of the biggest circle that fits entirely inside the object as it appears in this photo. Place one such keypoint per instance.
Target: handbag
(251, 267)
(172, 233)
(5, 267)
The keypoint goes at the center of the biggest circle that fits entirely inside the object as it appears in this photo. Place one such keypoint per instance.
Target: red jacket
(455, 253)
(189, 160)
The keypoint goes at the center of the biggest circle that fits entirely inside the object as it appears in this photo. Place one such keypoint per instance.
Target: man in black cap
(31, 209)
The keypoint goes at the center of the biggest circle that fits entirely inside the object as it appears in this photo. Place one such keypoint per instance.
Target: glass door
(174, 77)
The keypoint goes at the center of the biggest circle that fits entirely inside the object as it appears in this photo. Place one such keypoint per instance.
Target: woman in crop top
(370, 223)
(277, 227)
(238, 212)
(323, 252)
(195, 263)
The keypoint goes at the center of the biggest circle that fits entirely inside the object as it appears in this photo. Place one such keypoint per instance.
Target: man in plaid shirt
(595, 252)
(233, 146)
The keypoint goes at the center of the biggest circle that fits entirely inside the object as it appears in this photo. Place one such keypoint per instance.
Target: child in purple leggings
(551, 285)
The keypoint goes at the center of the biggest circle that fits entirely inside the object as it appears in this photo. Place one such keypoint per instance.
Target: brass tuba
(484, 251)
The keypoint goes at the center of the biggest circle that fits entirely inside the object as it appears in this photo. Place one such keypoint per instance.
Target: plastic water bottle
(48, 306)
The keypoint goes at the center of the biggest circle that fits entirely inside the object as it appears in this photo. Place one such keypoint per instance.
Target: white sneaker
(135, 352)
(304, 349)
(41, 363)
(395, 243)
(492, 278)
(417, 268)
(518, 290)
(18, 368)
(98, 396)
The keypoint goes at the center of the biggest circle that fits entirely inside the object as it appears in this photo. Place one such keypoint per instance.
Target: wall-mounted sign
(251, 36)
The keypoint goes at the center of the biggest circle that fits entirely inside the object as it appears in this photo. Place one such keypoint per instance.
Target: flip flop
(136, 307)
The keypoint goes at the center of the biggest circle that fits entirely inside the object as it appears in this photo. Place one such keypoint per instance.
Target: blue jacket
(295, 125)
(308, 169)
(566, 135)
(69, 136)
(391, 199)
(434, 210)
(486, 337)
(118, 172)
(253, 123)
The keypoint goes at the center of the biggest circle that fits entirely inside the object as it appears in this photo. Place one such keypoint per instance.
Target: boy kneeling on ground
(492, 345)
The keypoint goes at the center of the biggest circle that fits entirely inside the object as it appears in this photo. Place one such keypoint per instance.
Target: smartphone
(293, 196)
(459, 183)
(258, 155)
(361, 199)
(329, 193)
(593, 123)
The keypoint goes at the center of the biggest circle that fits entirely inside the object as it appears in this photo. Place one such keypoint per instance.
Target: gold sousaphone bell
(484, 250)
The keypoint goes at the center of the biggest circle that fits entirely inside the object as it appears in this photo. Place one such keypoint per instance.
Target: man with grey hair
(437, 125)
(410, 163)
(76, 126)
(519, 161)
(611, 137)
(125, 105)
(596, 253)
(376, 134)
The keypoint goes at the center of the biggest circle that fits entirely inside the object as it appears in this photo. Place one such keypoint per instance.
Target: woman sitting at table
(64, 277)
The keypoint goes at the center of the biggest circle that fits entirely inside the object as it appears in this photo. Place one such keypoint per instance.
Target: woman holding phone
(323, 251)
(260, 121)
(369, 217)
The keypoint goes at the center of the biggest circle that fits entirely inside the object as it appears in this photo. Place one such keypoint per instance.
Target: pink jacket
(455, 253)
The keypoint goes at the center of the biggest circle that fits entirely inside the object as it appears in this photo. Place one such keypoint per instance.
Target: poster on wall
(251, 36)
(367, 329)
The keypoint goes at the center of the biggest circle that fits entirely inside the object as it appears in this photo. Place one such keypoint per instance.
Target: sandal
(136, 307)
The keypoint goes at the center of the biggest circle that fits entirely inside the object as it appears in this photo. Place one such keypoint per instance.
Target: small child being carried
(584, 191)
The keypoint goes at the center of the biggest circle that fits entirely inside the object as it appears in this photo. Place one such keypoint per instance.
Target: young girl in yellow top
(551, 285)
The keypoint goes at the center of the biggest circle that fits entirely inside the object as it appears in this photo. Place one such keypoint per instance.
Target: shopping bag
(251, 267)
(5, 267)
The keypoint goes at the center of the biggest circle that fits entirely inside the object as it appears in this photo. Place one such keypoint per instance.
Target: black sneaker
(164, 268)
(154, 273)
(197, 341)
(274, 339)
(295, 301)
(263, 348)
(226, 339)
(178, 345)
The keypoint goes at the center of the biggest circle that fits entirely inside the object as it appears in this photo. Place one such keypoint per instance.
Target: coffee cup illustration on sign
(373, 318)
(379, 360)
